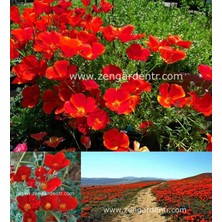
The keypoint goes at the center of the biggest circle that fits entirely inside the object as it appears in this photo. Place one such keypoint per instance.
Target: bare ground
(143, 208)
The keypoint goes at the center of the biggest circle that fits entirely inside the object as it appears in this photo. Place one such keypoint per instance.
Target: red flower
(49, 202)
(23, 35)
(29, 69)
(23, 173)
(91, 52)
(171, 95)
(171, 55)
(28, 203)
(134, 101)
(66, 202)
(115, 140)
(153, 43)
(38, 136)
(112, 72)
(137, 52)
(51, 101)
(125, 34)
(56, 162)
(85, 141)
(40, 172)
(41, 7)
(31, 96)
(104, 7)
(79, 105)
(47, 43)
(53, 141)
(14, 53)
(205, 71)
(202, 104)
(14, 14)
(50, 185)
(98, 119)
(31, 182)
(117, 100)
(69, 47)
(30, 217)
(110, 33)
(60, 71)
(86, 2)
(135, 85)
(93, 25)
(209, 145)
(145, 125)
(176, 40)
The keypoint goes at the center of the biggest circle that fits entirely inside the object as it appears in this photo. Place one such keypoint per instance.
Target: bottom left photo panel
(45, 186)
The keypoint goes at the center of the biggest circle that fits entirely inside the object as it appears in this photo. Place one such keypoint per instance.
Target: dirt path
(143, 208)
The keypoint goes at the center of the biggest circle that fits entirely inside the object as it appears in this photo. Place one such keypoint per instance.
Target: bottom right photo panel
(146, 187)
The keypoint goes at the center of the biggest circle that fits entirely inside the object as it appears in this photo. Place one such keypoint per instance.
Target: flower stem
(21, 158)
(54, 215)
(68, 187)
(31, 163)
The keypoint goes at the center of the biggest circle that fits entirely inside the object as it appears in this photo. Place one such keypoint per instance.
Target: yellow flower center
(48, 206)
(43, 185)
(23, 177)
(27, 207)
(62, 206)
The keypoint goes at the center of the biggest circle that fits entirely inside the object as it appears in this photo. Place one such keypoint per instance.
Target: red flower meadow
(115, 140)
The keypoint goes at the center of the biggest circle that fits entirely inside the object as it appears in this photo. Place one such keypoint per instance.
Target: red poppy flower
(40, 7)
(47, 43)
(49, 202)
(38, 136)
(51, 101)
(22, 174)
(30, 217)
(54, 141)
(85, 141)
(91, 52)
(171, 55)
(23, 35)
(125, 34)
(79, 105)
(145, 125)
(153, 43)
(61, 7)
(28, 69)
(104, 7)
(80, 123)
(56, 162)
(14, 14)
(209, 145)
(28, 203)
(89, 85)
(28, 17)
(135, 85)
(51, 184)
(14, 53)
(86, 2)
(70, 47)
(137, 52)
(40, 172)
(202, 104)
(112, 72)
(115, 140)
(31, 96)
(60, 71)
(43, 23)
(93, 25)
(117, 100)
(134, 101)
(66, 202)
(205, 71)
(110, 33)
(171, 95)
(176, 40)
(98, 119)
(31, 182)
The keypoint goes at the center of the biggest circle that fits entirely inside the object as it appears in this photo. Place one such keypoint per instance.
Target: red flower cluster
(45, 179)
(168, 48)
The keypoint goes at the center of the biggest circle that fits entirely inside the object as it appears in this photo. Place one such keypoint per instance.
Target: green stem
(54, 215)
(43, 159)
(152, 68)
(68, 187)
(165, 69)
(31, 163)
(23, 154)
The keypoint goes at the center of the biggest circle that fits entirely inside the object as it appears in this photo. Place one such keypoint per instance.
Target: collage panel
(45, 186)
(111, 76)
(146, 187)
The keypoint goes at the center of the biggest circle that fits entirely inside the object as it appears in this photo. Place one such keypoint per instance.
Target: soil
(144, 209)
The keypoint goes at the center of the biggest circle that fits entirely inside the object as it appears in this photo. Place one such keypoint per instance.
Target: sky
(168, 165)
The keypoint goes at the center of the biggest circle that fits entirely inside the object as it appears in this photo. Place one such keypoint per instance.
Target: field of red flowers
(95, 198)
(194, 194)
